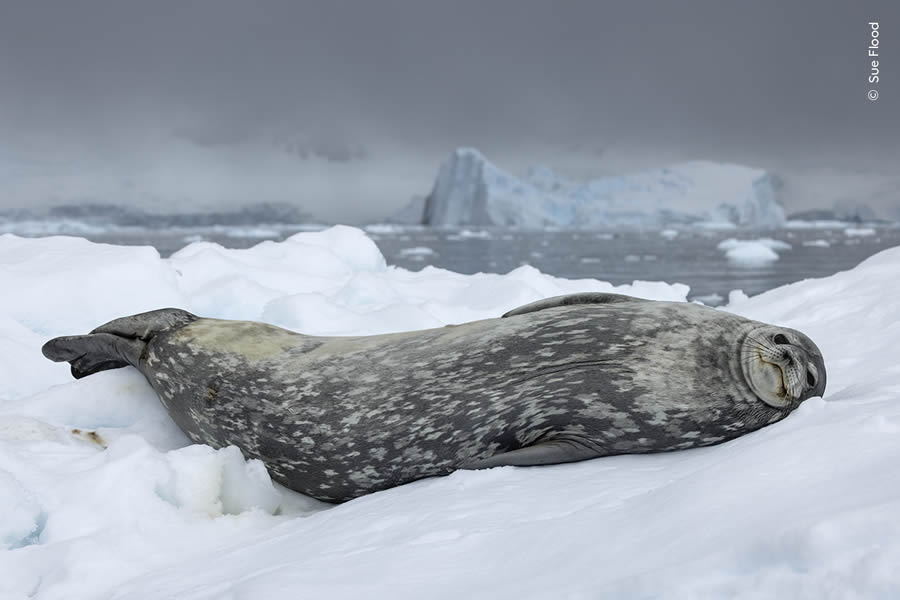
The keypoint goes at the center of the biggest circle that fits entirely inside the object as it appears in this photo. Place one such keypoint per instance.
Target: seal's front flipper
(551, 452)
(571, 300)
(95, 352)
(116, 344)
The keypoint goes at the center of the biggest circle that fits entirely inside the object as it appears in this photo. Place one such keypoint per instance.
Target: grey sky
(348, 107)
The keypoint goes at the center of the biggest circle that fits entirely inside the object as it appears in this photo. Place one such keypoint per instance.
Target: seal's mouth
(767, 374)
(782, 390)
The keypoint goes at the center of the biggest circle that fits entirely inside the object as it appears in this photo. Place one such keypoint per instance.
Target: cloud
(766, 83)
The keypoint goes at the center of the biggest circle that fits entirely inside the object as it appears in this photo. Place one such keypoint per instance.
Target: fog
(347, 109)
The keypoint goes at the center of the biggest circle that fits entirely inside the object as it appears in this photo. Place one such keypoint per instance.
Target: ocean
(689, 256)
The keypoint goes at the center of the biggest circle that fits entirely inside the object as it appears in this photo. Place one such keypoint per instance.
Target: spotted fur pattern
(340, 417)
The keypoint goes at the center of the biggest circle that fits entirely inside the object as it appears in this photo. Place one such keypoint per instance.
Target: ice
(732, 243)
(469, 190)
(815, 224)
(104, 497)
(859, 231)
(416, 253)
(752, 253)
(817, 243)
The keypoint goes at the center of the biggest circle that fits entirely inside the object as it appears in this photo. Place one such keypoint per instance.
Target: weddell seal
(559, 380)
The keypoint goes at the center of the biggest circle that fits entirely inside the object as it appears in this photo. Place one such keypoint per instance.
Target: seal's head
(783, 367)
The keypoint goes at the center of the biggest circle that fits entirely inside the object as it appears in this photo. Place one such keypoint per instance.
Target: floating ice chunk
(669, 234)
(751, 254)
(801, 224)
(817, 243)
(385, 228)
(474, 233)
(732, 243)
(416, 253)
(715, 225)
(252, 232)
(859, 231)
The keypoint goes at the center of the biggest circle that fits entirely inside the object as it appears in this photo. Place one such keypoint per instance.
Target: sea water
(689, 256)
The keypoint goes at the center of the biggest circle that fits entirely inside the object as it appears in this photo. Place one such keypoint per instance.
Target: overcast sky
(348, 107)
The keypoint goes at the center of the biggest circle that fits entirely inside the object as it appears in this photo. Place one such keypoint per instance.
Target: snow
(126, 508)
(469, 190)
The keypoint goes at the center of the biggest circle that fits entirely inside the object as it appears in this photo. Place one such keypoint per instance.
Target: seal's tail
(116, 344)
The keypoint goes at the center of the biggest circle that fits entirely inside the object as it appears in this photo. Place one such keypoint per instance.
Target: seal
(559, 380)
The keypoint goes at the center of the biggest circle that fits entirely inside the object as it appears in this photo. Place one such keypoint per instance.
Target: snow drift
(469, 190)
(103, 497)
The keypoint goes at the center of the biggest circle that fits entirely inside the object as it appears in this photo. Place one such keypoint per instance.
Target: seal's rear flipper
(116, 344)
(94, 352)
(551, 452)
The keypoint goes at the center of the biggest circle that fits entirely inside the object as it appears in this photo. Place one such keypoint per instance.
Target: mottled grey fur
(560, 380)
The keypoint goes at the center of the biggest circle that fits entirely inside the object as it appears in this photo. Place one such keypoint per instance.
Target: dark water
(623, 257)
(615, 256)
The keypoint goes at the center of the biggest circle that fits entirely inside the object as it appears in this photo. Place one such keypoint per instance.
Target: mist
(348, 109)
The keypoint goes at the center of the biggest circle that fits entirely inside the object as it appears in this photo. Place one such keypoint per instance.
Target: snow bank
(469, 190)
(103, 497)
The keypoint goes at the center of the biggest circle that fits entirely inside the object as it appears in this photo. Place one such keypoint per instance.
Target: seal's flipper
(552, 452)
(572, 299)
(145, 325)
(95, 352)
(116, 344)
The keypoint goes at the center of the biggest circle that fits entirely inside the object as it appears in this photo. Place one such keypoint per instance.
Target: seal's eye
(780, 339)
(810, 379)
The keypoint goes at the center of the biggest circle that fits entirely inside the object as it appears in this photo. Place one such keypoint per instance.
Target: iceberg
(470, 190)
